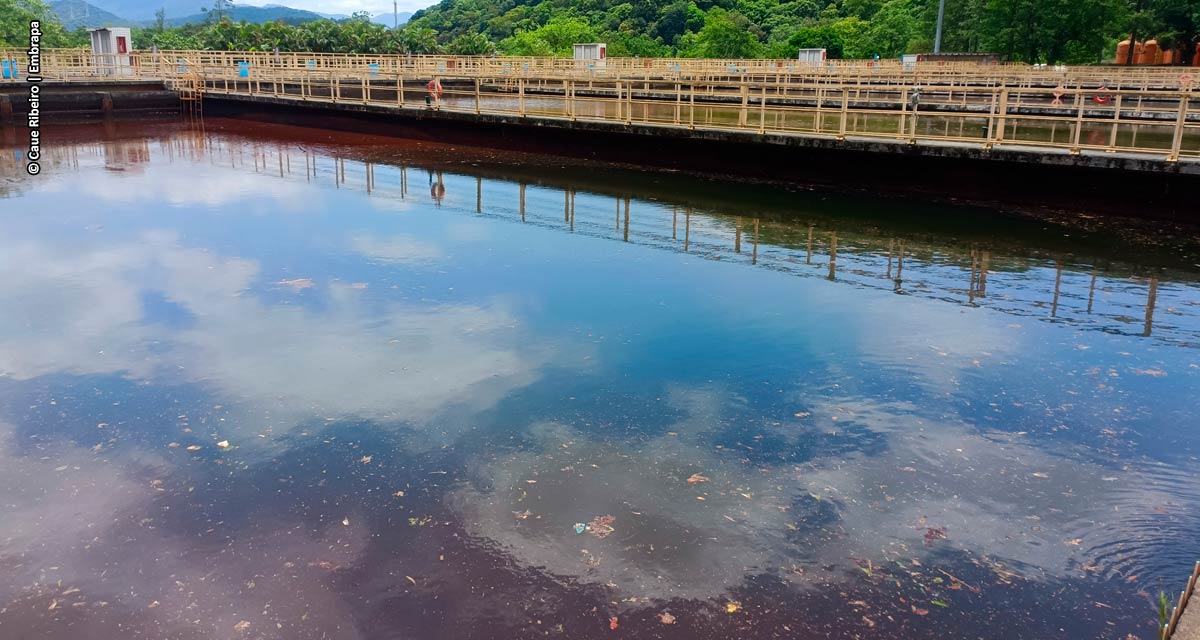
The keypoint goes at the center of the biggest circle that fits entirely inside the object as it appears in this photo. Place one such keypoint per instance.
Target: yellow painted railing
(1132, 110)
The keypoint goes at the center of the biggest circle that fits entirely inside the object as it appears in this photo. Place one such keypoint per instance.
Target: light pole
(937, 38)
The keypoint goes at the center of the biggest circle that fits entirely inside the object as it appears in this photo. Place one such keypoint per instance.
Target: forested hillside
(1040, 31)
(1077, 31)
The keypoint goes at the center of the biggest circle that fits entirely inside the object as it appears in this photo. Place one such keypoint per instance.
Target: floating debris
(733, 606)
(242, 626)
(666, 618)
(933, 534)
(696, 478)
(601, 526)
(224, 444)
(580, 527)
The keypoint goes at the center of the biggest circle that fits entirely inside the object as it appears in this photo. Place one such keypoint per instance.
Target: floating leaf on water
(919, 611)
(399, 494)
(666, 618)
(934, 533)
(1073, 543)
(62, 468)
(365, 460)
(1039, 474)
(412, 580)
(733, 606)
(242, 626)
(939, 603)
(194, 447)
(696, 478)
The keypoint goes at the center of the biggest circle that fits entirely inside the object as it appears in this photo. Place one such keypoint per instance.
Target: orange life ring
(435, 88)
(1059, 91)
(1101, 98)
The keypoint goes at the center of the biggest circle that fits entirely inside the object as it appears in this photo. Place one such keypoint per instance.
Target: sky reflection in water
(899, 420)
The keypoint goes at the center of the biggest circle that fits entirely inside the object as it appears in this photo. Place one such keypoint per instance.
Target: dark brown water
(266, 382)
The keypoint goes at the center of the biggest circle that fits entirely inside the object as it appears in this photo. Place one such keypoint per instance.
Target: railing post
(400, 89)
(745, 102)
(1080, 100)
(692, 106)
(568, 100)
(678, 102)
(1116, 125)
(1180, 122)
(629, 103)
(476, 96)
(521, 97)
(1001, 116)
(762, 111)
(844, 114)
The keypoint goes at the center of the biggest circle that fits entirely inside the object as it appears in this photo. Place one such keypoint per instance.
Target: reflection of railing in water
(982, 107)
(972, 274)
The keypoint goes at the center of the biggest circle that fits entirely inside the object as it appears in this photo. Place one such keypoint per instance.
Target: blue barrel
(182, 66)
(374, 67)
(311, 64)
(243, 69)
(9, 69)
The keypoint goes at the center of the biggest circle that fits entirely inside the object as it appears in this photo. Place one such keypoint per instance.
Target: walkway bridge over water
(1089, 139)
(1132, 118)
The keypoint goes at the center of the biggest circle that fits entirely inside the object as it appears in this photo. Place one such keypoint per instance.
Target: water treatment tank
(1122, 52)
(1149, 53)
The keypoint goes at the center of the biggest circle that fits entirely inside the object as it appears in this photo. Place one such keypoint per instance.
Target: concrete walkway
(1188, 627)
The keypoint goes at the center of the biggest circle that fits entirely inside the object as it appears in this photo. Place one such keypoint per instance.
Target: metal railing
(1129, 110)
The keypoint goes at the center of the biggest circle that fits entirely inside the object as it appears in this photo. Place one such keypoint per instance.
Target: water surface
(266, 382)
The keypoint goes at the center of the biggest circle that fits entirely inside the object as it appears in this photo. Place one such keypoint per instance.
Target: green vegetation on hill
(1041, 31)
(1076, 31)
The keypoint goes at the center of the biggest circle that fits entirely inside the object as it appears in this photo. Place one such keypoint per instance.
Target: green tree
(14, 24)
(725, 35)
(555, 38)
(471, 45)
(890, 30)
